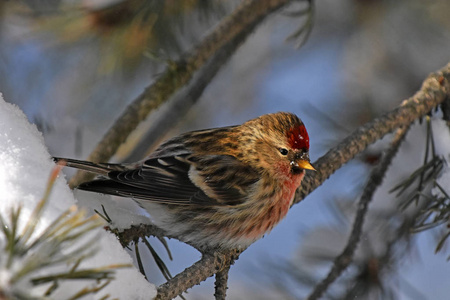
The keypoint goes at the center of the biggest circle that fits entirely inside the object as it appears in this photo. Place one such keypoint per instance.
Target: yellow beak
(304, 164)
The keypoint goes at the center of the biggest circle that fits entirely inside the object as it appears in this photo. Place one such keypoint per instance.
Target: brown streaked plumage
(215, 188)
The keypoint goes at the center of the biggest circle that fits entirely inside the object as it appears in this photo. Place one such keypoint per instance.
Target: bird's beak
(300, 161)
(304, 164)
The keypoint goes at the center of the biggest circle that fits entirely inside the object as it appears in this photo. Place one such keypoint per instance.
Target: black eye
(283, 151)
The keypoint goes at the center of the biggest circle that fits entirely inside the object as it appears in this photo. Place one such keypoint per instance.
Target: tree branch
(209, 264)
(342, 261)
(433, 92)
(216, 262)
(245, 18)
(222, 283)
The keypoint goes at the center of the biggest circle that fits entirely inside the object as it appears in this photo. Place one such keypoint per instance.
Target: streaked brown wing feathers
(166, 180)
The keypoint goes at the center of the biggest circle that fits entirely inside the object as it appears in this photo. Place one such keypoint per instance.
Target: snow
(123, 212)
(25, 166)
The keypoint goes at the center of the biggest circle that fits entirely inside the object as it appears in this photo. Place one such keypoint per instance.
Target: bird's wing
(181, 180)
(221, 177)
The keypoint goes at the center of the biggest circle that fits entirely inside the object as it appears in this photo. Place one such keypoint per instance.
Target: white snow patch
(25, 166)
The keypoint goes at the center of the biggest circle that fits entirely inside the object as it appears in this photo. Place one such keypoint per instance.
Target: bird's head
(281, 141)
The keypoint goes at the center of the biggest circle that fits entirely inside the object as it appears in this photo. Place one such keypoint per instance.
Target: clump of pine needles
(435, 210)
(29, 257)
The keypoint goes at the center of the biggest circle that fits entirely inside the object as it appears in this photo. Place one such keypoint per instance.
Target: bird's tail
(97, 168)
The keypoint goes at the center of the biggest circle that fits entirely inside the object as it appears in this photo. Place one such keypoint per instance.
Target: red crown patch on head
(298, 138)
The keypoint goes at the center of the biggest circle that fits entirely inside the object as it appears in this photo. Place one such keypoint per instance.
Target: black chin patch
(296, 170)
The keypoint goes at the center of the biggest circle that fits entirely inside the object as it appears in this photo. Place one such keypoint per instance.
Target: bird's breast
(273, 209)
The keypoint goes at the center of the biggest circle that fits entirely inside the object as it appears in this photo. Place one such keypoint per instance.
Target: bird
(218, 188)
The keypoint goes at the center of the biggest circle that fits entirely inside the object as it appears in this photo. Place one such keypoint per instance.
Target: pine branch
(32, 258)
(245, 18)
(434, 91)
(342, 261)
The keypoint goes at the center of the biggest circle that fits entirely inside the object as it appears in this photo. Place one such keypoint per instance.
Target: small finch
(215, 188)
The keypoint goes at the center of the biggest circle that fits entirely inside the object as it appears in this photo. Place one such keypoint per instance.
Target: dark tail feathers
(100, 168)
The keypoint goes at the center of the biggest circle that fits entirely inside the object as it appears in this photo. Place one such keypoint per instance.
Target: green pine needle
(63, 242)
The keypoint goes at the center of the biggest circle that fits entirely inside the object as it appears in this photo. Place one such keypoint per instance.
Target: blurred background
(73, 67)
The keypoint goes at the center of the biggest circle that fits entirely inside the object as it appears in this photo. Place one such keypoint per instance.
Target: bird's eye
(283, 151)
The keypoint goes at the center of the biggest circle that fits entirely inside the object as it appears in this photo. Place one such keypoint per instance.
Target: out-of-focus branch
(180, 104)
(342, 261)
(245, 18)
(435, 89)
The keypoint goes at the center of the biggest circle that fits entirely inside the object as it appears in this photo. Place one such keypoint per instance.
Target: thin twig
(245, 18)
(221, 284)
(342, 261)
